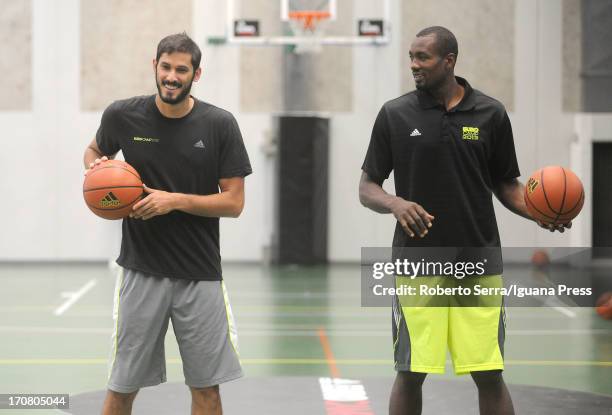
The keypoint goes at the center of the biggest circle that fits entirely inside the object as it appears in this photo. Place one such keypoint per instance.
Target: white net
(308, 29)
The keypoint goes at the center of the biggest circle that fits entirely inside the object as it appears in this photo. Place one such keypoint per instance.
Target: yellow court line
(297, 361)
(558, 363)
(53, 362)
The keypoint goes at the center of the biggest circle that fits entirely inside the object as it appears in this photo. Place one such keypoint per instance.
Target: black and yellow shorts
(473, 327)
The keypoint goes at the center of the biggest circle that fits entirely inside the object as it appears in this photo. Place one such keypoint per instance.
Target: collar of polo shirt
(427, 101)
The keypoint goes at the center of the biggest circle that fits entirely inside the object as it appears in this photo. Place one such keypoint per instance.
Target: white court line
(550, 303)
(73, 297)
(566, 311)
(563, 310)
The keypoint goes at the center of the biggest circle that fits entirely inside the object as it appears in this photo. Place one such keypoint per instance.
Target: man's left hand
(156, 202)
(559, 227)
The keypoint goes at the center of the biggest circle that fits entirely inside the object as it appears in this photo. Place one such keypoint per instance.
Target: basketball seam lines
(558, 213)
(538, 210)
(111, 187)
(564, 193)
(118, 167)
(561, 213)
(546, 197)
(577, 203)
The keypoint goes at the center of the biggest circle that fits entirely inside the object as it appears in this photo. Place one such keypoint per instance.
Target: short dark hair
(180, 42)
(446, 42)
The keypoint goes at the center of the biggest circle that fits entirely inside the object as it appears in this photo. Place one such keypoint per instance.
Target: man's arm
(413, 218)
(93, 155)
(510, 193)
(373, 196)
(228, 203)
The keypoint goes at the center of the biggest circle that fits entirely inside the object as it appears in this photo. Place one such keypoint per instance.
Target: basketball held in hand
(554, 195)
(111, 188)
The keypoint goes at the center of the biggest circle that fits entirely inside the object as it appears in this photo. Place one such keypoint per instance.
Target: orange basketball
(111, 188)
(603, 306)
(554, 195)
(540, 259)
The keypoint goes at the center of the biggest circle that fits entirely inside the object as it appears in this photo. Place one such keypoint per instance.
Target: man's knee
(206, 395)
(487, 378)
(121, 397)
(117, 402)
(410, 379)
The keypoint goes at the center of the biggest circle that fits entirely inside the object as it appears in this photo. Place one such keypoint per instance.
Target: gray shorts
(202, 321)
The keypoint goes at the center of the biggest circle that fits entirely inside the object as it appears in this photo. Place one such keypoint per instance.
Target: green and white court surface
(304, 341)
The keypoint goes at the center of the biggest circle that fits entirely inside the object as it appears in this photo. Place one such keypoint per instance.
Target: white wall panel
(43, 143)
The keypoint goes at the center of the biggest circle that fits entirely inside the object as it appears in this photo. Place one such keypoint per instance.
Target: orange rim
(309, 18)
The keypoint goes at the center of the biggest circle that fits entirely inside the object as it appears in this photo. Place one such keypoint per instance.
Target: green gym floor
(284, 317)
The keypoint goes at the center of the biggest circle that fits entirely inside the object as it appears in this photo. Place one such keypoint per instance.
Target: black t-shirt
(446, 161)
(182, 155)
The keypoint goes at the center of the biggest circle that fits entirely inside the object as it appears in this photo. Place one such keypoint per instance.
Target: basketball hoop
(309, 19)
(308, 26)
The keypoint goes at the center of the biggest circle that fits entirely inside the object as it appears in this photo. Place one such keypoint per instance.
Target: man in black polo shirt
(192, 159)
(450, 147)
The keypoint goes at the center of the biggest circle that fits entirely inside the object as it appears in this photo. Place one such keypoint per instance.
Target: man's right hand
(95, 163)
(414, 219)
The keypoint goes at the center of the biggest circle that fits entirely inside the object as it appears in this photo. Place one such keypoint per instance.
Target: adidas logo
(415, 132)
(110, 200)
(199, 144)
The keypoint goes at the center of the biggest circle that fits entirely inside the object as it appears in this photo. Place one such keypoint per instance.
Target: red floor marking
(348, 408)
(329, 356)
(348, 396)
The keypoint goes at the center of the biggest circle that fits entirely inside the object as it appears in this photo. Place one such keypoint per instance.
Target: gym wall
(74, 57)
(16, 41)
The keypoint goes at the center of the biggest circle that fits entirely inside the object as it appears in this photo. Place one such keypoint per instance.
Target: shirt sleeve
(233, 157)
(107, 141)
(378, 160)
(503, 163)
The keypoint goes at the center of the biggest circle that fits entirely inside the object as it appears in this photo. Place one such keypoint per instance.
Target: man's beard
(430, 85)
(179, 98)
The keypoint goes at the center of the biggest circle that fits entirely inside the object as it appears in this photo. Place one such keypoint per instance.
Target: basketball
(111, 188)
(540, 259)
(603, 306)
(554, 195)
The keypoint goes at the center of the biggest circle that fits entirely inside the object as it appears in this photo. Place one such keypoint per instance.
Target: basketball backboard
(306, 22)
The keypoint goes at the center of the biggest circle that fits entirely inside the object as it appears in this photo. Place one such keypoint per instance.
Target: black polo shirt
(446, 161)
